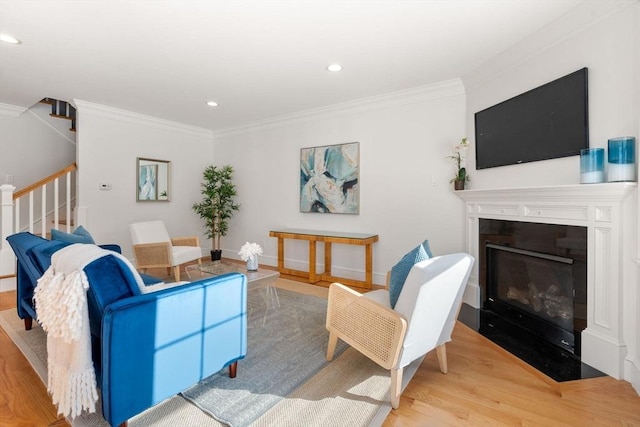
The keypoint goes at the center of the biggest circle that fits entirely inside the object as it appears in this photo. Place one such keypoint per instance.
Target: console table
(328, 237)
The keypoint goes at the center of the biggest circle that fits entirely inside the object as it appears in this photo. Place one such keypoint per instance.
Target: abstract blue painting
(329, 180)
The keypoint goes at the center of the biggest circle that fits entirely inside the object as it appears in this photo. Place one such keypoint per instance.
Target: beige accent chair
(423, 317)
(153, 248)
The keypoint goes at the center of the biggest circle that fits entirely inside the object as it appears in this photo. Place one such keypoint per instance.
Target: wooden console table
(328, 237)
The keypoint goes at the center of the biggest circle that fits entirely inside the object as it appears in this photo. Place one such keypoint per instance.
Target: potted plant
(217, 205)
(458, 152)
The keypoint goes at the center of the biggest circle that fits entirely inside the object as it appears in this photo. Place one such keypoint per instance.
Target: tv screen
(547, 122)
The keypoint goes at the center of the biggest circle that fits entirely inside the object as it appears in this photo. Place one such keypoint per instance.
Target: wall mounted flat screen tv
(548, 122)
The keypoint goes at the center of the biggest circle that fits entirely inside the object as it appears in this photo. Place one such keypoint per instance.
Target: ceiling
(257, 59)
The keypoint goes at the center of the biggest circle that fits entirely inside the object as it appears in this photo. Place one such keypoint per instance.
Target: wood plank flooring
(485, 386)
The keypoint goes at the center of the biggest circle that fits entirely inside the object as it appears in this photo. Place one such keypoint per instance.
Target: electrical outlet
(105, 186)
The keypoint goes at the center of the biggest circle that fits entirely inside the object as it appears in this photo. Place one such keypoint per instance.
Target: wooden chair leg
(441, 351)
(233, 369)
(28, 323)
(176, 272)
(396, 387)
(331, 347)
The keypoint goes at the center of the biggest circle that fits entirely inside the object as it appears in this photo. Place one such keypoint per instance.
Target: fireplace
(536, 278)
(605, 211)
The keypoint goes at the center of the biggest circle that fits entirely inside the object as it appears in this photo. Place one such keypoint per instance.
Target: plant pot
(216, 255)
(458, 185)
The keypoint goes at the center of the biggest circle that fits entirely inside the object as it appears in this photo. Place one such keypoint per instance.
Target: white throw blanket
(61, 304)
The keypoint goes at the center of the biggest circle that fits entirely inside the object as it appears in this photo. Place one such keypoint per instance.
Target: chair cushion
(79, 235)
(182, 254)
(149, 232)
(381, 296)
(400, 271)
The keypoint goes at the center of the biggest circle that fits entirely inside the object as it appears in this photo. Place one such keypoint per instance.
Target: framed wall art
(152, 180)
(329, 179)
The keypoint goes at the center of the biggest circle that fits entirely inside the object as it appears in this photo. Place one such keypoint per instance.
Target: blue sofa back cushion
(41, 254)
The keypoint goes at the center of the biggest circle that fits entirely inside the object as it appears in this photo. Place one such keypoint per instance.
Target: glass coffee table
(263, 294)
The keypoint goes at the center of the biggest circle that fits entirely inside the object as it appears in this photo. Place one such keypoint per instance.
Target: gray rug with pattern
(286, 346)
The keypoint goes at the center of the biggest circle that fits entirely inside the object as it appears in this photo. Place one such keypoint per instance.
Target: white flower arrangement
(249, 250)
(458, 153)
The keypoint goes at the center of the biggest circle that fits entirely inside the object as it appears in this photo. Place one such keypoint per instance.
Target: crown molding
(418, 94)
(137, 118)
(577, 20)
(9, 110)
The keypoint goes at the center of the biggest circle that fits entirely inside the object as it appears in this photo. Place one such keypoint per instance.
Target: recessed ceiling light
(334, 67)
(212, 103)
(9, 39)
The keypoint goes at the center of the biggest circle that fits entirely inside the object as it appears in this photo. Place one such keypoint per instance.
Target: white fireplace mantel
(600, 208)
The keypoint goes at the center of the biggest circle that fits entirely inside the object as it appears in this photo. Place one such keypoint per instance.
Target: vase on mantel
(458, 185)
(252, 263)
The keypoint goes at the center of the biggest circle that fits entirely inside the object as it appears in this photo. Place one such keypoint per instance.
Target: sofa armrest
(156, 345)
(151, 255)
(372, 329)
(185, 241)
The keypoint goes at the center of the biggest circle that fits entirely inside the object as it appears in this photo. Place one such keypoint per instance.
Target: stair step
(58, 116)
(63, 222)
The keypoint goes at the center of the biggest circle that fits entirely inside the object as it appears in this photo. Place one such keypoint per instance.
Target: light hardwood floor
(485, 386)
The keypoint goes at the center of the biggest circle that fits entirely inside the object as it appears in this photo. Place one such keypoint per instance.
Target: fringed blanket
(61, 303)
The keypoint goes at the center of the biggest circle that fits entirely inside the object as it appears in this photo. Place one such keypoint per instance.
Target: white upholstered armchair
(153, 248)
(423, 317)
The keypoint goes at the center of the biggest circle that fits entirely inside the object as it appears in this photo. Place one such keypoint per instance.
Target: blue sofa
(146, 347)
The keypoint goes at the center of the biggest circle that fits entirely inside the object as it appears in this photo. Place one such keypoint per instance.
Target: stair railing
(13, 203)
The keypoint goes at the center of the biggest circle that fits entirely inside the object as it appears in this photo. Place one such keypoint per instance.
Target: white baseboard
(8, 284)
(632, 374)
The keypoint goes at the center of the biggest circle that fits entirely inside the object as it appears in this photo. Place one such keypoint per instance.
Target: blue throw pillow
(79, 235)
(427, 249)
(400, 271)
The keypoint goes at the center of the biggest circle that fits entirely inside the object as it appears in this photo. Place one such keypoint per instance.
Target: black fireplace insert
(533, 280)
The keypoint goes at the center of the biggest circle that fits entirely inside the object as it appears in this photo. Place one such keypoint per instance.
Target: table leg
(313, 276)
(280, 254)
(368, 269)
(327, 258)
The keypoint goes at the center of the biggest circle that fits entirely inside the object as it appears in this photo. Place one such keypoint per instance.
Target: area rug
(350, 391)
(286, 346)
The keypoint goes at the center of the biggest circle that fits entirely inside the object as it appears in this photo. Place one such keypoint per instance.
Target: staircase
(39, 207)
(61, 110)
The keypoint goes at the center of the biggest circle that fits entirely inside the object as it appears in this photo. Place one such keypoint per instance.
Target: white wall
(404, 140)
(109, 141)
(608, 46)
(30, 148)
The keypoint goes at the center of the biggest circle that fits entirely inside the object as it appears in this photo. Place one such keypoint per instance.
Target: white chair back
(149, 232)
(430, 300)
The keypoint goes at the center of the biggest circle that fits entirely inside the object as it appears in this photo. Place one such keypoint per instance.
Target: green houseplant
(217, 205)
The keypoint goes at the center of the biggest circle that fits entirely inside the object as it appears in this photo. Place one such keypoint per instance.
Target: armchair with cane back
(154, 248)
(421, 320)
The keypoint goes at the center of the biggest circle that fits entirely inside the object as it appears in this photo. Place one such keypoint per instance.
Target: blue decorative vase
(591, 165)
(622, 159)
